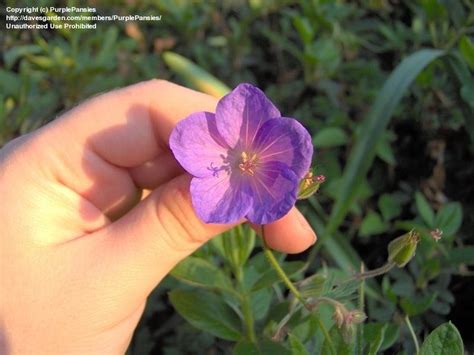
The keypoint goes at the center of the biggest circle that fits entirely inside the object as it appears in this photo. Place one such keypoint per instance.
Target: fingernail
(306, 226)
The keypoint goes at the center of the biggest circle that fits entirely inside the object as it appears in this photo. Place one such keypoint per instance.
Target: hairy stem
(281, 273)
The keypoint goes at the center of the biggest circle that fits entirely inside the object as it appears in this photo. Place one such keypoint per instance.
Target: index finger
(130, 126)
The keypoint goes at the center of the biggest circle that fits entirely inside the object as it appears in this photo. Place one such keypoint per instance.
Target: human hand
(80, 248)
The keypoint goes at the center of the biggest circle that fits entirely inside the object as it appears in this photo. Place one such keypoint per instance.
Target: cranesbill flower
(246, 159)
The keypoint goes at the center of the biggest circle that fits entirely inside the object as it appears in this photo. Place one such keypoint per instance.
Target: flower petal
(222, 199)
(198, 146)
(240, 113)
(274, 187)
(286, 140)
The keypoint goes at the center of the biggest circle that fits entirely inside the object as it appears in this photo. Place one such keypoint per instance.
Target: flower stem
(413, 335)
(376, 272)
(281, 273)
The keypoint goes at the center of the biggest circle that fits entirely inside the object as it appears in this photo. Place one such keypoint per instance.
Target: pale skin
(80, 247)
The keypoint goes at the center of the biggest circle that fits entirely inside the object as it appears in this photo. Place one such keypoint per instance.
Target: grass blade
(363, 152)
(194, 75)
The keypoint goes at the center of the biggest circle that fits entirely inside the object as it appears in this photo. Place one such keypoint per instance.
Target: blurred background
(385, 88)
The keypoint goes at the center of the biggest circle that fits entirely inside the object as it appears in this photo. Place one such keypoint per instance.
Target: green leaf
(467, 93)
(374, 125)
(459, 69)
(270, 276)
(344, 290)
(207, 312)
(461, 255)
(392, 332)
(246, 347)
(235, 245)
(466, 47)
(304, 28)
(341, 347)
(389, 207)
(385, 152)
(260, 302)
(372, 224)
(270, 347)
(449, 218)
(297, 347)
(444, 340)
(330, 137)
(200, 272)
(413, 307)
(374, 334)
(196, 76)
(13, 54)
(424, 209)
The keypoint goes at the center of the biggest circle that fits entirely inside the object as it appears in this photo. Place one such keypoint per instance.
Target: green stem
(326, 335)
(362, 309)
(413, 335)
(376, 272)
(248, 318)
(281, 273)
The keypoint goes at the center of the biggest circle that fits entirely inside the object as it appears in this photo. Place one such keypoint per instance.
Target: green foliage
(387, 93)
(444, 340)
(207, 312)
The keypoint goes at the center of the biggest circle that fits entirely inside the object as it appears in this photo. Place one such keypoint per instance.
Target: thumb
(157, 234)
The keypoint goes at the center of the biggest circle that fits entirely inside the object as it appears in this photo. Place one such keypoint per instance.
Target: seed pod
(402, 249)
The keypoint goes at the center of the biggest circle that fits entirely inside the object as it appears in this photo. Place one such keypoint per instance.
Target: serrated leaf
(200, 272)
(444, 340)
(449, 218)
(424, 209)
(330, 137)
(207, 312)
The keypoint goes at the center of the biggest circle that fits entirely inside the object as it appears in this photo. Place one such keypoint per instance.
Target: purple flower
(246, 159)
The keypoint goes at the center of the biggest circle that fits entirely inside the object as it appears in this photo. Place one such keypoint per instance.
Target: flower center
(248, 163)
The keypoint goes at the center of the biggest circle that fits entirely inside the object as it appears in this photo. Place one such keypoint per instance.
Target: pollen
(248, 163)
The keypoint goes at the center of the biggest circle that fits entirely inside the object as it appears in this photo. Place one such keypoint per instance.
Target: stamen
(247, 166)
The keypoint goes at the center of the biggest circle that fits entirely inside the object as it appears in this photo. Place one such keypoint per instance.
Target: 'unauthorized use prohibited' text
(71, 17)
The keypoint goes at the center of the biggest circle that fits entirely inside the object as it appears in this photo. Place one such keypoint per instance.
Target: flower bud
(355, 317)
(402, 249)
(309, 185)
(436, 234)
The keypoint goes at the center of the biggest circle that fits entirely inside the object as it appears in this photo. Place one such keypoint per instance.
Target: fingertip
(291, 234)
